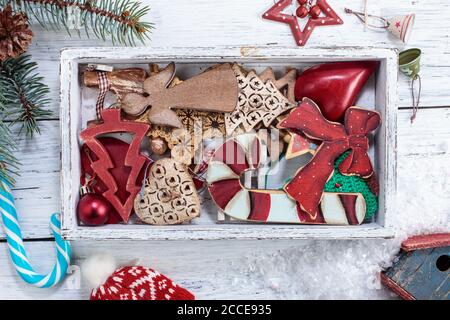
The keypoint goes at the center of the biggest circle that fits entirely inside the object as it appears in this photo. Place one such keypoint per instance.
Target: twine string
(362, 17)
(416, 101)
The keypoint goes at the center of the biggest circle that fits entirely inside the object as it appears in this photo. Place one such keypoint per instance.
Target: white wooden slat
(209, 269)
(201, 23)
(37, 190)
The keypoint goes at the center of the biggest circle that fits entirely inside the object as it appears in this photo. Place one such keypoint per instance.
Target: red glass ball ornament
(301, 12)
(302, 2)
(93, 210)
(315, 11)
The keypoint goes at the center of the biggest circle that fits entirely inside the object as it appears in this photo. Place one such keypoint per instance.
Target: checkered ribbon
(104, 86)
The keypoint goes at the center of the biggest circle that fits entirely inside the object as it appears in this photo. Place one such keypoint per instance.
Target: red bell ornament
(301, 12)
(302, 2)
(92, 209)
(334, 86)
(315, 11)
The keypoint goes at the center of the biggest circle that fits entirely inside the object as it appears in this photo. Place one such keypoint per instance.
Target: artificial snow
(338, 269)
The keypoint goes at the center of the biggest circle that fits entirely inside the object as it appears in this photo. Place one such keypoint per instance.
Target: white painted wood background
(200, 265)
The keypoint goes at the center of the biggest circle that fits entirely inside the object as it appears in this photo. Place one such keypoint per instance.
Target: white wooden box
(379, 93)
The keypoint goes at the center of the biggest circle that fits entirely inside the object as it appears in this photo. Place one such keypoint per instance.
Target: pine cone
(15, 35)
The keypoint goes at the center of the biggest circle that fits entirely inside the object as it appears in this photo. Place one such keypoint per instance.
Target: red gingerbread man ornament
(320, 14)
(308, 184)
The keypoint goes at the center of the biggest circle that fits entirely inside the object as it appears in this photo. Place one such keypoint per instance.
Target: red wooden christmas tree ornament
(102, 167)
(117, 149)
(308, 184)
(301, 36)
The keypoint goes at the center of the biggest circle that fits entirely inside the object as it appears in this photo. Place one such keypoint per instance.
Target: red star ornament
(301, 37)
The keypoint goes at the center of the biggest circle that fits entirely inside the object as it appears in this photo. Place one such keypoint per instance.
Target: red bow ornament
(308, 184)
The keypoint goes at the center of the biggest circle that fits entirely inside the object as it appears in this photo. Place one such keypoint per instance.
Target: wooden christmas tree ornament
(117, 150)
(168, 196)
(285, 84)
(112, 122)
(258, 102)
(213, 90)
(307, 185)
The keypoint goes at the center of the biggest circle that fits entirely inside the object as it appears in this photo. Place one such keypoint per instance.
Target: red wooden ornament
(117, 149)
(301, 36)
(307, 185)
(112, 122)
(334, 86)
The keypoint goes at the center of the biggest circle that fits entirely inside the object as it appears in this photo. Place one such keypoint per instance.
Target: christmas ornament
(285, 84)
(185, 145)
(92, 209)
(301, 12)
(17, 249)
(117, 149)
(421, 269)
(400, 26)
(409, 64)
(15, 35)
(258, 102)
(213, 90)
(328, 17)
(244, 153)
(120, 82)
(299, 145)
(334, 86)
(158, 146)
(112, 122)
(307, 185)
(354, 184)
(209, 125)
(168, 195)
(315, 11)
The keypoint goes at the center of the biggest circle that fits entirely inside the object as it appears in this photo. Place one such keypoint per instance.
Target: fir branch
(118, 20)
(8, 163)
(23, 94)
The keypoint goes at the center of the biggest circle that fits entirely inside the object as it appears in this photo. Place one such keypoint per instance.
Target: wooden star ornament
(327, 17)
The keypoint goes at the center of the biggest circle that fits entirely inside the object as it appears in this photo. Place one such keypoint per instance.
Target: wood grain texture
(206, 23)
(203, 23)
(202, 267)
(37, 190)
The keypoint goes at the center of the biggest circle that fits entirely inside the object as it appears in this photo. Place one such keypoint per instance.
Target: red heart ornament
(334, 86)
(117, 150)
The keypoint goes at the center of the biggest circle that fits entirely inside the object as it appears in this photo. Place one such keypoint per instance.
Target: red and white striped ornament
(243, 153)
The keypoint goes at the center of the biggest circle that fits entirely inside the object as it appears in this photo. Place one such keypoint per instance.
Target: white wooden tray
(379, 94)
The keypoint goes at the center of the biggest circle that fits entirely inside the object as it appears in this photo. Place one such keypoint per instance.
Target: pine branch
(118, 20)
(8, 163)
(23, 94)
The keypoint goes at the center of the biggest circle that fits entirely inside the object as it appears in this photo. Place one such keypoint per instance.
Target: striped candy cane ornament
(243, 153)
(17, 250)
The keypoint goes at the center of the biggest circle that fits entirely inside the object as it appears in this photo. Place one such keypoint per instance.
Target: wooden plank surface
(37, 190)
(202, 266)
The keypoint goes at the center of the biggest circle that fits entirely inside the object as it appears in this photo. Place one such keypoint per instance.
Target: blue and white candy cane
(17, 249)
